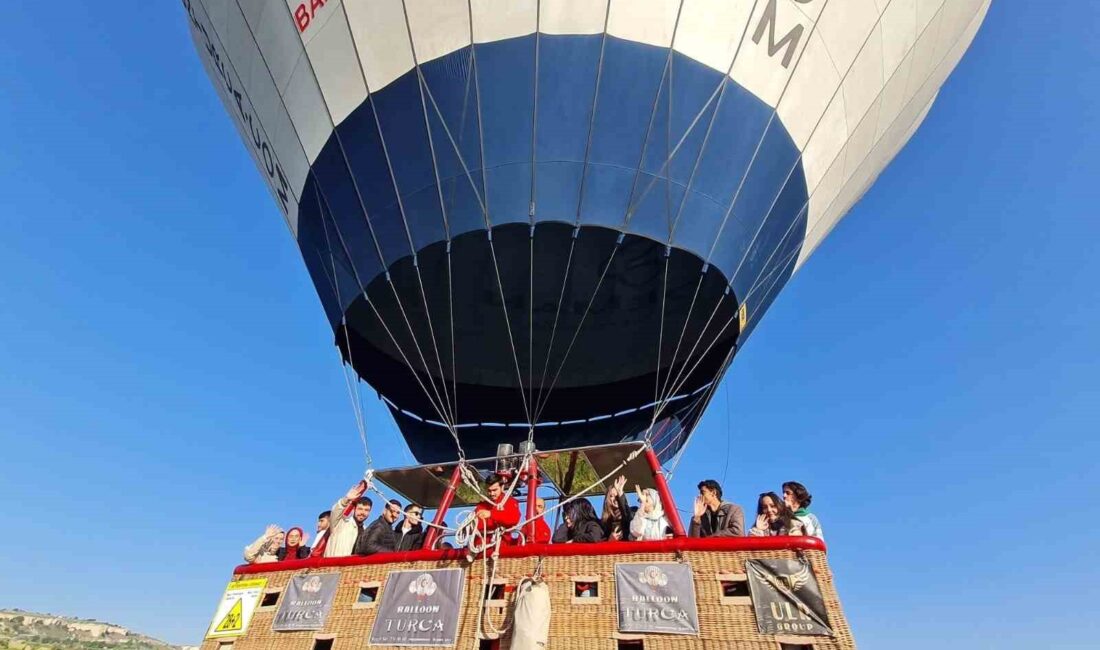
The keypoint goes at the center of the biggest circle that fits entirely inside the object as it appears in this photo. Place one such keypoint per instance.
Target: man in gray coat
(713, 517)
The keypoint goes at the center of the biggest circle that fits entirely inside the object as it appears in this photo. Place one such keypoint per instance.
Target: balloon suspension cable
(766, 280)
(672, 385)
(377, 314)
(771, 277)
(356, 397)
(709, 394)
(426, 97)
(837, 158)
(353, 393)
(439, 407)
(580, 203)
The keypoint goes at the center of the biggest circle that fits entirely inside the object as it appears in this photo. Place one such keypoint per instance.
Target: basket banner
(656, 597)
(306, 603)
(419, 608)
(786, 598)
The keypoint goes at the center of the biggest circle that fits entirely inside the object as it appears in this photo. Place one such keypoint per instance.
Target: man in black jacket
(379, 536)
(410, 532)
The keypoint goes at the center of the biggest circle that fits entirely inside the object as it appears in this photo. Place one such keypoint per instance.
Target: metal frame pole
(444, 504)
(532, 496)
(667, 503)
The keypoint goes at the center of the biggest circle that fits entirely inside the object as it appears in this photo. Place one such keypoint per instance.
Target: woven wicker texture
(590, 624)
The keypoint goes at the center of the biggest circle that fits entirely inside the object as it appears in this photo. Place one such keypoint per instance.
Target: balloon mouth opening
(556, 325)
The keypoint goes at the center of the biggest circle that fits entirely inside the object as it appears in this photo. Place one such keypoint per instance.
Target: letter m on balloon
(789, 42)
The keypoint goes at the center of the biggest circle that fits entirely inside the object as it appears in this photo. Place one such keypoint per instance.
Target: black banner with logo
(786, 598)
(307, 602)
(419, 608)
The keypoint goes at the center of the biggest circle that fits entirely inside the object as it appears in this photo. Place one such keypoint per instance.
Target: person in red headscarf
(295, 547)
(490, 516)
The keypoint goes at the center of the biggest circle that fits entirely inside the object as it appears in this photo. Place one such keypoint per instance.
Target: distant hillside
(21, 630)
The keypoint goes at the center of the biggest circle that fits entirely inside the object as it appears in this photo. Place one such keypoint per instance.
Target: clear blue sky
(168, 384)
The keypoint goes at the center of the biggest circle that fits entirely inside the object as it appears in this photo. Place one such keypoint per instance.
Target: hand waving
(356, 491)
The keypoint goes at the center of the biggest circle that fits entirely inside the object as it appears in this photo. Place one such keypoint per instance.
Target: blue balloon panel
(499, 243)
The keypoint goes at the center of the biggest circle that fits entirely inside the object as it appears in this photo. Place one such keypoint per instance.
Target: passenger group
(349, 534)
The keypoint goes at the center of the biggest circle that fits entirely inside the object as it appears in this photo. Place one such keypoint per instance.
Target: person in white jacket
(343, 531)
(265, 547)
(798, 499)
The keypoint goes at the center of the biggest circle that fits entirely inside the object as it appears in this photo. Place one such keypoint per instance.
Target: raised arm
(343, 505)
(696, 528)
(252, 551)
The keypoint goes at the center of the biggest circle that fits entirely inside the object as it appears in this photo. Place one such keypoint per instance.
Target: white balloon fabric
(553, 213)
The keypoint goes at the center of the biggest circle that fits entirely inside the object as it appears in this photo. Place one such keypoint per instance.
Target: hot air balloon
(559, 220)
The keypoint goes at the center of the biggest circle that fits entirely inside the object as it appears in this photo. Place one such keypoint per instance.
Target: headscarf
(654, 522)
(289, 552)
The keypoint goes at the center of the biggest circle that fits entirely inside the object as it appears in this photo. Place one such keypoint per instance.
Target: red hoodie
(505, 517)
(542, 532)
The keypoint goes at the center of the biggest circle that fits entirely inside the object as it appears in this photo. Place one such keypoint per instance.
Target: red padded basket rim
(554, 550)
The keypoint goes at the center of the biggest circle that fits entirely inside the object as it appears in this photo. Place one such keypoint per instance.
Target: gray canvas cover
(656, 597)
(419, 608)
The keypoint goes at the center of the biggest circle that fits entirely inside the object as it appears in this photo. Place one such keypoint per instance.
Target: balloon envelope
(566, 214)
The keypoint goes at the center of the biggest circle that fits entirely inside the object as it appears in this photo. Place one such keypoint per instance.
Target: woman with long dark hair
(616, 512)
(582, 524)
(773, 518)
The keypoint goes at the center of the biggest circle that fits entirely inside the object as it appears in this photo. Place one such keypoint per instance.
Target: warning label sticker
(235, 610)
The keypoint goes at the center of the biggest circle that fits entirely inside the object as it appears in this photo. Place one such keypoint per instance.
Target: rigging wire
(422, 84)
(626, 215)
(757, 284)
(729, 432)
(318, 191)
(580, 203)
(774, 202)
(718, 92)
(321, 193)
(837, 158)
(353, 396)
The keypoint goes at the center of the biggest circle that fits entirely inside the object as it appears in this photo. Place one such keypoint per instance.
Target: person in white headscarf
(649, 523)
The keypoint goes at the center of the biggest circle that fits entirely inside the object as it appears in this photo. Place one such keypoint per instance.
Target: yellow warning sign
(234, 620)
(235, 610)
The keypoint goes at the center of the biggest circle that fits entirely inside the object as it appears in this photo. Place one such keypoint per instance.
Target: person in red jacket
(501, 513)
(542, 529)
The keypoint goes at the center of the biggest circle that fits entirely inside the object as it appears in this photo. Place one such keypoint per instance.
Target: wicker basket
(576, 623)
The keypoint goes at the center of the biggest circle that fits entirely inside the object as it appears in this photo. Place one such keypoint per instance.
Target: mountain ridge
(23, 630)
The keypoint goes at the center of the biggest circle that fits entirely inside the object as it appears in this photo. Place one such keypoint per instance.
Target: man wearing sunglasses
(410, 532)
(379, 536)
